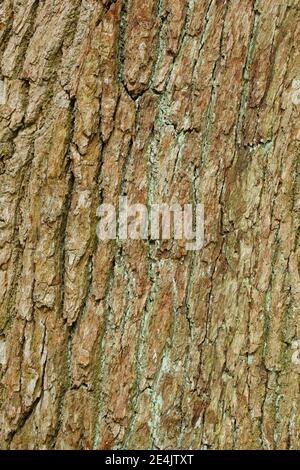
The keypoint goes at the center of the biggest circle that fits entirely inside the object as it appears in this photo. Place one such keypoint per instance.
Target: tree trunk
(140, 344)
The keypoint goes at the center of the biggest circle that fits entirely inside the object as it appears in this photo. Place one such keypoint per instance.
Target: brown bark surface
(138, 345)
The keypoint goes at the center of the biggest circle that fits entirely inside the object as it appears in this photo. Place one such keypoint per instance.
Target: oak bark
(139, 345)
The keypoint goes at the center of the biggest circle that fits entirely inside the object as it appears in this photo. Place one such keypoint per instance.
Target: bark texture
(133, 345)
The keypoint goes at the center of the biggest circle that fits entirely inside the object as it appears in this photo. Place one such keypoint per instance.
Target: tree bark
(140, 344)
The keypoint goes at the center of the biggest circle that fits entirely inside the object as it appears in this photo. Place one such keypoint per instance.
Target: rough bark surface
(137, 344)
